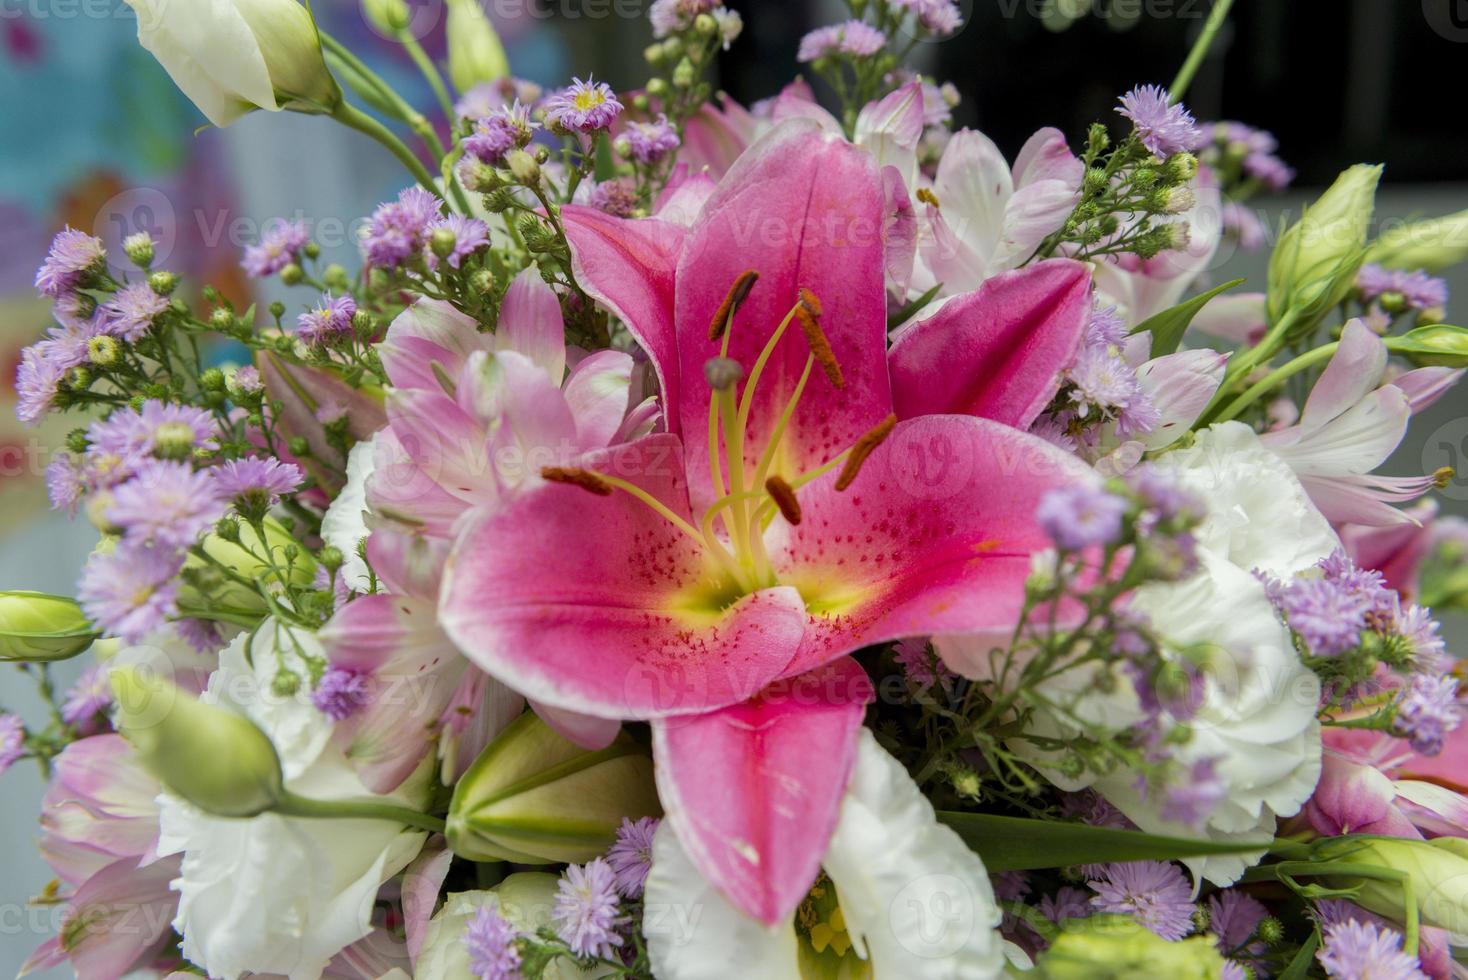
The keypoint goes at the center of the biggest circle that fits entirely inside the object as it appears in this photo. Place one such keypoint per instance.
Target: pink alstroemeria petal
(1046, 156)
(428, 332)
(120, 917)
(1180, 385)
(935, 535)
(597, 394)
(1425, 386)
(998, 352)
(1353, 372)
(754, 790)
(1365, 500)
(586, 731)
(599, 605)
(530, 323)
(1355, 442)
(1352, 798)
(804, 210)
(1397, 550)
(422, 882)
(446, 443)
(1432, 808)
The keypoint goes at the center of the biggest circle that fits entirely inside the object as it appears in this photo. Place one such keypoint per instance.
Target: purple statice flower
(498, 133)
(1418, 290)
(585, 911)
(129, 433)
(1233, 918)
(1154, 893)
(631, 856)
(1328, 616)
(649, 142)
(132, 591)
(341, 693)
(279, 247)
(259, 480)
(132, 310)
(1104, 384)
(64, 483)
(1353, 950)
(1427, 710)
(490, 940)
(1192, 799)
(855, 38)
(1067, 903)
(74, 256)
(399, 229)
(166, 503)
(671, 16)
(941, 17)
(1245, 225)
(89, 698)
(583, 107)
(327, 323)
(1164, 129)
(1081, 517)
(12, 741)
(470, 235)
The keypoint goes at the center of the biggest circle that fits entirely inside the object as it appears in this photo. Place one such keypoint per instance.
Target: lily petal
(597, 394)
(428, 332)
(530, 323)
(1354, 370)
(753, 791)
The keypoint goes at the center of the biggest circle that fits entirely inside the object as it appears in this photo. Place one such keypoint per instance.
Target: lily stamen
(784, 497)
(738, 293)
(863, 448)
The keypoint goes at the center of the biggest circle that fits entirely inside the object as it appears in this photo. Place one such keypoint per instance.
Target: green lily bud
(1438, 344)
(534, 797)
(1437, 868)
(1109, 947)
(388, 16)
(1315, 263)
(241, 556)
(214, 758)
(1433, 245)
(475, 52)
(41, 628)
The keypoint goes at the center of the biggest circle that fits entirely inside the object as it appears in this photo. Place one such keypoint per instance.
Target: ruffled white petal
(344, 525)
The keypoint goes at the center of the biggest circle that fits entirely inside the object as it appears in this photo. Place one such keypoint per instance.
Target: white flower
(915, 902)
(275, 894)
(231, 56)
(344, 526)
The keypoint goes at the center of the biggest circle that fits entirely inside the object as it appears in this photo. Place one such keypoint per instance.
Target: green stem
(353, 118)
(291, 805)
(1272, 380)
(430, 72)
(388, 94)
(1200, 50)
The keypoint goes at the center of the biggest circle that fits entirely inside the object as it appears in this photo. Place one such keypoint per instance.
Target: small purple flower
(585, 911)
(916, 658)
(132, 311)
(1234, 917)
(1418, 290)
(1160, 492)
(1328, 616)
(200, 634)
(132, 591)
(854, 38)
(1416, 626)
(1269, 170)
(649, 142)
(490, 941)
(498, 133)
(1163, 128)
(631, 856)
(1010, 886)
(89, 698)
(470, 235)
(399, 229)
(1193, 799)
(584, 107)
(12, 741)
(279, 247)
(261, 481)
(487, 97)
(129, 434)
(37, 384)
(329, 322)
(1105, 328)
(342, 693)
(64, 484)
(1105, 386)
(616, 197)
(672, 16)
(1067, 903)
(1427, 710)
(246, 380)
(1353, 950)
(940, 17)
(74, 256)
(166, 503)
(1154, 893)
(1081, 517)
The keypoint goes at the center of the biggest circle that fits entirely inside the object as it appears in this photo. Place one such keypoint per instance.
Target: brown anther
(928, 197)
(722, 372)
(738, 293)
(1444, 477)
(820, 347)
(585, 479)
(783, 494)
(810, 301)
(864, 447)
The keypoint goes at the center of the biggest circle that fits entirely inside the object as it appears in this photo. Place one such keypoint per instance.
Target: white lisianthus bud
(475, 52)
(1315, 264)
(232, 56)
(38, 627)
(1434, 245)
(1438, 870)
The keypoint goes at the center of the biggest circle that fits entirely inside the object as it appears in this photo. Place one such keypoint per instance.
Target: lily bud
(214, 758)
(1439, 345)
(1433, 245)
(534, 797)
(40, 628)
(1109, 947)
(388, 16)
(475, 52)
(1438, 869)
(237, 556)
(1315, 264)
(233, 56)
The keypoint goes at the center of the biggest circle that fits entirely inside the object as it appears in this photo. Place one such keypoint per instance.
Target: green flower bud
(1315, 263)
(285, 684)
(524, 168)
(103, 351)
(277, 309)
(1437, 868)
(292, 274)
(331, 558)
(705, 25)
(443, 241)
(475, 52)
(1109, 947)
(336, 277)
(1438, 344)
(139, 249)
(40, 628)
(163, 283)
(238, 558)
(212, 757)
(76, 441)
(658, 87)
(533, 797)
(653, 54)
(388, 16)
(685, 74)
(1180, 168)
(1433, 245)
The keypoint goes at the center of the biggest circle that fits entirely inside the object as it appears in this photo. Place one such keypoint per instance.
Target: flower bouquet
(777, 541)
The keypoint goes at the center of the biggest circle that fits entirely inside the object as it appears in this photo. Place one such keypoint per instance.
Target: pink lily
(1349, 427)
(1395, 550)
(1366, 788)
(713, 578)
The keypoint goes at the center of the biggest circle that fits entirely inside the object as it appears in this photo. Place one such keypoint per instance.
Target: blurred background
(98, 138)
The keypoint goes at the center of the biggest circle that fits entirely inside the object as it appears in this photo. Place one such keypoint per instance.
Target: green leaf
(1167, 328)
(1024, 844)
(911, 309)
(1300, 966)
